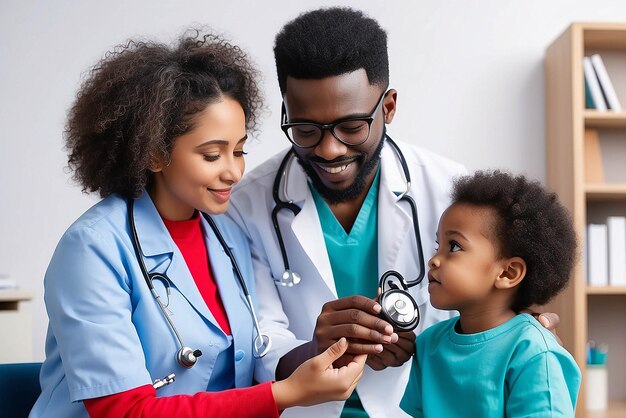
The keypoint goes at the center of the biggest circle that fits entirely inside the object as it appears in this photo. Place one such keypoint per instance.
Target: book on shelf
(597, 255)
(616, 228)
(594, 85)
(589, 103)
(594, 168)
(606, 85)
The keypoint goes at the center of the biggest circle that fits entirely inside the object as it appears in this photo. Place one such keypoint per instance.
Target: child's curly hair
(141, 96)
(531, 224)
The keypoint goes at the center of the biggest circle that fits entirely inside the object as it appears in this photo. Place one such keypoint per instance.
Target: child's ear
(512, 274)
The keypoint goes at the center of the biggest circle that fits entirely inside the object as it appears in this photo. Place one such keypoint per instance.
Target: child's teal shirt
(517, 369)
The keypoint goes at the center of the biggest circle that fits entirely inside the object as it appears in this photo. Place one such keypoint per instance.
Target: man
(348, 223)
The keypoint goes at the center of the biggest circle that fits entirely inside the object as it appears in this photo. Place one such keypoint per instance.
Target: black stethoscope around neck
(398, 306)
(186, 356)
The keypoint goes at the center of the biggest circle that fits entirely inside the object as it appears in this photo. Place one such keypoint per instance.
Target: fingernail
(387, 338)
(379, 348)
(394, 338)
(377, 308)
(388, 329)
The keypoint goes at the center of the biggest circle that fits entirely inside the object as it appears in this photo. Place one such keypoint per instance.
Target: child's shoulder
(531, 339)
(531, 333)
(437, 330)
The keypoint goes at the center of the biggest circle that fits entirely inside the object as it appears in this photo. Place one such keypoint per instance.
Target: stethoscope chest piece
(187, 357)
(398, 306)
(399, 309)
(262, 344)
(289, 279)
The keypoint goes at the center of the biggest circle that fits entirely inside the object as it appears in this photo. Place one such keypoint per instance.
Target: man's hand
(353, 317)
(550, 321)
(394, 355)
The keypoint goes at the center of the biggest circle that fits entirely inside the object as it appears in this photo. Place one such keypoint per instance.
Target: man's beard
(334, 196)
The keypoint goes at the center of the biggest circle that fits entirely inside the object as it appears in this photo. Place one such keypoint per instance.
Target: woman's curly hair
(141, 96)
(531, 224)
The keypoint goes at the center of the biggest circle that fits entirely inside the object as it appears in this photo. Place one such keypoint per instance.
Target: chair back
(19, 388)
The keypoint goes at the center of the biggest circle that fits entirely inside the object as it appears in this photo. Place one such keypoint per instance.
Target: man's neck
(347, 212)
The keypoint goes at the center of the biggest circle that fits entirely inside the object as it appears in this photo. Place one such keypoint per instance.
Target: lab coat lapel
(163, 256)
(306, 225)
(227, 282)
(394, 216)
(181, 278)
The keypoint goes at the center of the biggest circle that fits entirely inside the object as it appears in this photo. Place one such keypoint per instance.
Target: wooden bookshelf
(584, 309)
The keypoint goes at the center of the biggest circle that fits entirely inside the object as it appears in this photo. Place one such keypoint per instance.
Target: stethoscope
(186, 356)
(398, 306)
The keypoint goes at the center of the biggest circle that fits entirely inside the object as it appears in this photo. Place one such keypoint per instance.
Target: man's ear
(389, 105)
(514, 270)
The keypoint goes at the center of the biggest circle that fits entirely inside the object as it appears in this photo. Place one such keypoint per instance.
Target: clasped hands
(355, 318)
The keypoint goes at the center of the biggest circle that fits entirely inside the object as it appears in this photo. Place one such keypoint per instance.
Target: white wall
(469, 77)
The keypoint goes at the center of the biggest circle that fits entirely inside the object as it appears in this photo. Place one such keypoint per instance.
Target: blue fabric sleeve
(88, 303)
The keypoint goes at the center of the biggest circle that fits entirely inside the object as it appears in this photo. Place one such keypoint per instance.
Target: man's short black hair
(329, 42)
(531, 224)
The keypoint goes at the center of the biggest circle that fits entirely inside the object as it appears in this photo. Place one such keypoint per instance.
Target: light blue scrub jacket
(106, 332)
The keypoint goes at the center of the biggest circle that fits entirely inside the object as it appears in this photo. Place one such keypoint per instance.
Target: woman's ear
(512, 274)
(156, 164)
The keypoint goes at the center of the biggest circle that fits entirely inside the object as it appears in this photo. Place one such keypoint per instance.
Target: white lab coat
(289, 314)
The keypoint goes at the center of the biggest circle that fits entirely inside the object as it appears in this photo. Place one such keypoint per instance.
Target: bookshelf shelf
(595, 119)
(606, 290)
(587, 312)
(605, 191)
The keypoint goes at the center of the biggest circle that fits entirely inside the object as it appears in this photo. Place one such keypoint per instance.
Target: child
(503, 245)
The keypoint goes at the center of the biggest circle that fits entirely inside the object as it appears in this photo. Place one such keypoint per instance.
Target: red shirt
(189, 238)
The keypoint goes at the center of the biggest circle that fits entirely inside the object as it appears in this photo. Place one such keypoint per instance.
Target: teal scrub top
(353, 259)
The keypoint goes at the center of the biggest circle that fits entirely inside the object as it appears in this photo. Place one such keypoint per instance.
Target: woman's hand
(317, 381)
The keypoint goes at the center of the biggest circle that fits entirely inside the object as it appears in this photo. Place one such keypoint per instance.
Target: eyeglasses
(350, 131)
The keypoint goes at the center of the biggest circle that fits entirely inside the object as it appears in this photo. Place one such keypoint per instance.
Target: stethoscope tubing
(262, 342)
(260, 336)
(146, 275)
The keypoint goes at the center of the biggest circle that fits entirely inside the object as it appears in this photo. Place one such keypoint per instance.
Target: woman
(143, 276)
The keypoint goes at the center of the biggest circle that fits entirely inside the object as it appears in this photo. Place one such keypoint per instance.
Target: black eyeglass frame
(330, 126)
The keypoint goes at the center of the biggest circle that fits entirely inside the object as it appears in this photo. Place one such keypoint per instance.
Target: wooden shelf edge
(608, 119)
(606, 290)
(600, 191)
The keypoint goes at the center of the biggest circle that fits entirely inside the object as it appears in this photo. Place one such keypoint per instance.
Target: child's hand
(317, 381)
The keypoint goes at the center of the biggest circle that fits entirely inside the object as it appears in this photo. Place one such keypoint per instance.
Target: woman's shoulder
(106, 217)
